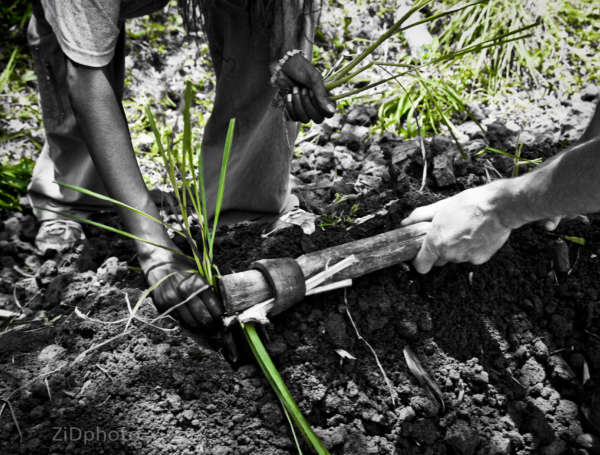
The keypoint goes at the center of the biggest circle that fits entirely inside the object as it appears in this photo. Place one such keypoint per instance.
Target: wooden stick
(242, 290)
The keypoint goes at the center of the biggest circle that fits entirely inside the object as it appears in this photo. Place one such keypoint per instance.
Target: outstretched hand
(202, 310)
(465, 228)
(305, 95)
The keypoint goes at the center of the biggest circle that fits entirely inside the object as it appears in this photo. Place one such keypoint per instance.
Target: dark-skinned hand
(303, 90)
(202, 311)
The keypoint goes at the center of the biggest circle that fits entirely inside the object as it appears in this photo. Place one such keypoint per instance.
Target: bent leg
(64, 157)
(259, 168)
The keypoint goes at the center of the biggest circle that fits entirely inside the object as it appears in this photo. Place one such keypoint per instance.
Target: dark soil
(506, 342)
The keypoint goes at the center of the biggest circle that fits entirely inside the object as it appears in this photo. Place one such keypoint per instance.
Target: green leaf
(221, 189)
(281, 390)
(103, 197)
(574, 239)
(106, 227)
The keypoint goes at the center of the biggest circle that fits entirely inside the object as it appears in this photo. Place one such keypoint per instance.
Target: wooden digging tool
(285, 279)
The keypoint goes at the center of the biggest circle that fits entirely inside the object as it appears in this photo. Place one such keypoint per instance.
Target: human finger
(317, 87)
(426, 257)
(213, 304)
(307, 103)
(195, 304)
(552, 223)
(289, 108)
(424, 213)
(298, 109)
(315, 102)
(184, 316)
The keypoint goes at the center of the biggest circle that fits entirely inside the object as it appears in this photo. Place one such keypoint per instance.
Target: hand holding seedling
(305, 96)
(197, 305)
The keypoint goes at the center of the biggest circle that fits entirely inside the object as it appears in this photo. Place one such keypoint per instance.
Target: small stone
(56, 287)
(163, 349)
(221, 450)
(344, 159)
(503, 135)
(590, 92)
(566, 412)
(478, 398)
(371, 415)
(471, 129)
(362, 114)
(331, 437)
(424, 406)
(110, 269)
(540, 350)
(500, 445)
(532, 373)
(238, 418)
(462, 438)
(403, 154)
(556, 447)
(174, 401)
(12, 226)
(51, 353)
(48, 269)
(527, 138)
(560, 369)
(589, 442)
(443, 170)
(476, 111)
(406, 414)
(335, 122)
(247, 371)
(188, 414)
(353, 136)
(443, 145)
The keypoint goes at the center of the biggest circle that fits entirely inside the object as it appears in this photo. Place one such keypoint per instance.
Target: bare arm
(105, 129)
(472, 225)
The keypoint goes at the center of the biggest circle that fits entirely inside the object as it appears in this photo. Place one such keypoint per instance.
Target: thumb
(426, 257)
(320, 92)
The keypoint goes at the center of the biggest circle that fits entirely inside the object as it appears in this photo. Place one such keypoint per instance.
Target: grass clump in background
(14, 179)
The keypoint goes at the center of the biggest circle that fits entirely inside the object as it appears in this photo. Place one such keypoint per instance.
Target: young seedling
(186, 176)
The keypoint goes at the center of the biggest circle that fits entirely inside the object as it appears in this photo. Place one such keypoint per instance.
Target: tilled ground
(510, 343)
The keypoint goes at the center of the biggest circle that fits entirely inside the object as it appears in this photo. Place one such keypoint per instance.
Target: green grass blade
(287, 416)
(281, 390)
(103, 197)
(390, 32)
(221, 190)
(5, 76)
